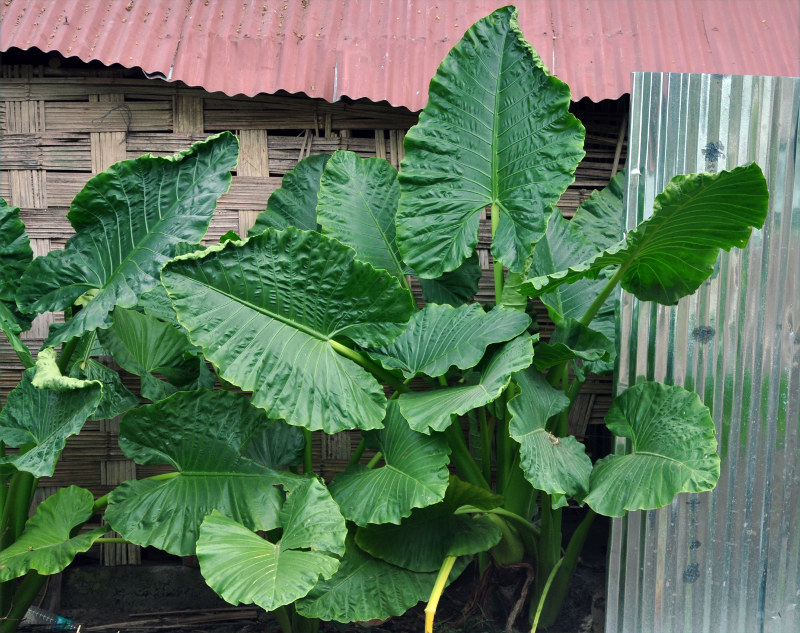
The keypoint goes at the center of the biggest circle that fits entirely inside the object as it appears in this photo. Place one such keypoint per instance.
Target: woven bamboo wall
(60, 126)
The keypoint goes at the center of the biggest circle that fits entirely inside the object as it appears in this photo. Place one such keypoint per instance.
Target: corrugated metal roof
(389, 49)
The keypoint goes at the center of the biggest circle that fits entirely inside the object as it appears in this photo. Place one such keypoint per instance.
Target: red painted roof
(389, 49)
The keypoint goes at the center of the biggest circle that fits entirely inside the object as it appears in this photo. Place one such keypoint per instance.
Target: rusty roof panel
(389, 49)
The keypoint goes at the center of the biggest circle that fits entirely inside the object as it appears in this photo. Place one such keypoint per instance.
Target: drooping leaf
(145, 346)
(15, 256)
(673, 450)
(456, 287)
(366, 588)
(208, 438)
(117, 398)
(415, 474)
(570, 340)
(242, 567)
(356, 204)
(426, 410)
(46, 544)
(436, 531)
(268, 312)
(295, 202)
(496, 131)
(441, 336)
(127, 222)
(669, 255)
(44, 410)
(558, 466)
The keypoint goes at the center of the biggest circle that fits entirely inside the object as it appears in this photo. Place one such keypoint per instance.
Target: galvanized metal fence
(727, 561)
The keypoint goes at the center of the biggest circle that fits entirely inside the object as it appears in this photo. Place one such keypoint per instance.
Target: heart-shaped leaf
(600, 217)
(47, 545)
(127, 222)
(436, 531)
(44, 410)
(496, 131)
(357, 202)
(415, 474)
(441, 336)
(570, 340)
(366, 588)
(558, 466)
(669, 255)
(15, 256)
(268, 313)
(242, 567)
(426, 410)
(213, 440)
(295, 202)
(673, 450)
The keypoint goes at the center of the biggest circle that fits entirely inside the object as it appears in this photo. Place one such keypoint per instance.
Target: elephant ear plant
(309, 323)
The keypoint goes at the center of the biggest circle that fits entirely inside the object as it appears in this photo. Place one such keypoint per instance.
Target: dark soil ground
(158, 597)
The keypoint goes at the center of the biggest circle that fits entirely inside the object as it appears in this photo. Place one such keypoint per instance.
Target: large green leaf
(242, 567)
(117, 398)
(426, 410)
(455, 287)
(415, 474)
(295, 202)
(44, 410)
(441, 336)
(558, 466)
(496, 131)
(366, 588)
(673, 449)
(357, 202)
(15, 256)
(600, 217)
(213, 440)
(268, 312)
(127, 222)
(47, 544)
(436, 531)
(669, 255)
(149, 348)
(570, 340)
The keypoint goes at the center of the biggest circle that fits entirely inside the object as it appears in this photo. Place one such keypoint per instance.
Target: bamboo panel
(188, 114)
(107, 148)
(160, 143)
(106, 117)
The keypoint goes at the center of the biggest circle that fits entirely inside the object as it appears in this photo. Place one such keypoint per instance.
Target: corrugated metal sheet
(728, 560)
(389, 49)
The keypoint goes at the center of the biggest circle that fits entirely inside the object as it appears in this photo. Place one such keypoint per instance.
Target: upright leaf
(208, 438)
(128, 220)
(426, 410)
(440, 336)
(558, 466)
(268, 314)
(414, 475)
(673, 450)
(496, 131)
(456, 287)
(669, 255)
(242, 567)
(44, 410)
(47, 544)
(15, 256)
(600, 217)
(117, 398)
(357, 202)
(149, 348)
(295, 202)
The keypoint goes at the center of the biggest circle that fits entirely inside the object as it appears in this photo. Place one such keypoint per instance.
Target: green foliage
(312, 318)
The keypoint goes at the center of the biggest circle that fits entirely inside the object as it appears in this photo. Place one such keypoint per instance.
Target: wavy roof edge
(387, 50)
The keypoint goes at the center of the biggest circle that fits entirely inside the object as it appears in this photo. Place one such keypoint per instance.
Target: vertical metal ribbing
(728, 560)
